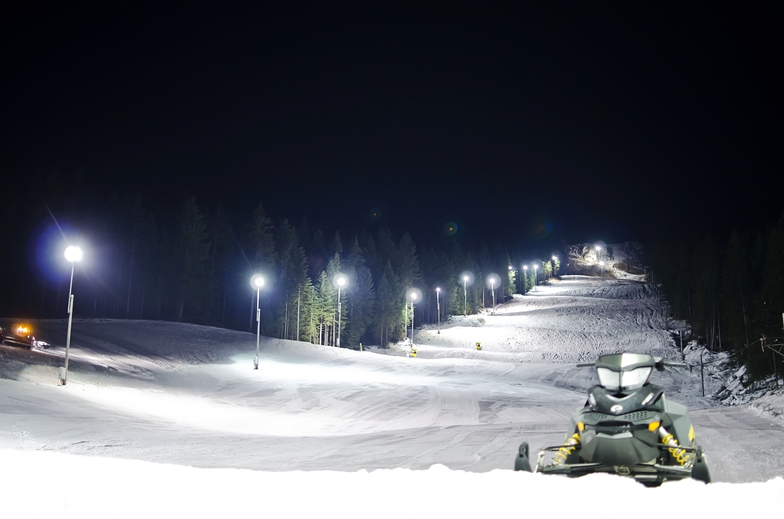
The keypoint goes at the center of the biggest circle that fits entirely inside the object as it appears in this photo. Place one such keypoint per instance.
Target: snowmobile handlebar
(660, 364)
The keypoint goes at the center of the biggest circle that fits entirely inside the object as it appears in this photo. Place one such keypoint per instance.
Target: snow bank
(46, 484)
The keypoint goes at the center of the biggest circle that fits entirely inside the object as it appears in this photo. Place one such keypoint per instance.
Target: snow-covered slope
(188, 395)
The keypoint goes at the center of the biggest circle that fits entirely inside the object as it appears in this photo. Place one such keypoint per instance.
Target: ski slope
(159, 409)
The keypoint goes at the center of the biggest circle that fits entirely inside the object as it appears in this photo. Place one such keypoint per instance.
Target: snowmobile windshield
(623, 380)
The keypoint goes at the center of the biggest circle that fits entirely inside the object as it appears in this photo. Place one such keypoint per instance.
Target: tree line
(196, 267)
(731, 290)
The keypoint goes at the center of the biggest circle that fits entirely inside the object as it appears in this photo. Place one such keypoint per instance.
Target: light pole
(465, 295)
(340, 282)
(257, 282)
(525, 276)
(72, 254)
(493, 280)
(413, 295)
(438, 308)
(513, 272)
(413, 300)
(468, 279)
(536, 267)
(405, 323)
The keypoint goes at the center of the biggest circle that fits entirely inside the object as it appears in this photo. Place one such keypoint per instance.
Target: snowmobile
(626, 427)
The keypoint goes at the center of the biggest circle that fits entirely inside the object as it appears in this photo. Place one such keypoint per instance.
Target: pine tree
(408, 267)
(300, 278)
(706, 274)
(372, 257)
(262, 245)
(360, 297)
(151, 268)
(735, 296)
(682, 289)
(382, 311)
(221, 246)
(770, 301)
(289, 278)
(308, 318)
(136, 232)
(337, 245)
(387, 252)
(448, 281)
(548, 269)
(193, 255)
(263, 241)
(389, 307)
(335, 267)
(324, 309)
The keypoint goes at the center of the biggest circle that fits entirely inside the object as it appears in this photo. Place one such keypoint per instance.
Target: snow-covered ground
(172, 418)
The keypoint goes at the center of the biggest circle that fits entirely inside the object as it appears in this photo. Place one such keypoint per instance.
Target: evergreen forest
(731, 291)
(191, 265)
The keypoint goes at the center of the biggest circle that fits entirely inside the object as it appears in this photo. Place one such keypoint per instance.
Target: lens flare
(45, 248)
(541, 227)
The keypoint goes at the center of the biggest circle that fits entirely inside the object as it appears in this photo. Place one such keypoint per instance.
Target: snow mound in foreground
(47, 484)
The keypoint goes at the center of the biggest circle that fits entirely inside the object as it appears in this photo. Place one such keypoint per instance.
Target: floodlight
(73, 253)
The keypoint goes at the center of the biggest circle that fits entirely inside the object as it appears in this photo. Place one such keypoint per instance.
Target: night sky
(523, 122)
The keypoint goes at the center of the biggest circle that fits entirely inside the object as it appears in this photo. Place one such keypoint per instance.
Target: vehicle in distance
(18, 333)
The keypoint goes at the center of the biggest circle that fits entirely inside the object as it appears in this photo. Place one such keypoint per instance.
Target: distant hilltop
(619, 261)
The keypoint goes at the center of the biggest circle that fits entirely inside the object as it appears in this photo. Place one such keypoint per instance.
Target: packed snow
(172, 418)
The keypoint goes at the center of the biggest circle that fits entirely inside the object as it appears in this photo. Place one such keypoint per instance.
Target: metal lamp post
(413, 300)
(438, 308)
(468, 279)
(340, 281)
(72, 254)
(413, 295)
(465, 295)
(492, 289)
(536, 268)
(525, 276)
(405, 323)
(257, 282)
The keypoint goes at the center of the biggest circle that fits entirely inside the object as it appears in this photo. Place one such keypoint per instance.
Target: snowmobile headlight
(609, 379)
(635, 378)
(653, 426)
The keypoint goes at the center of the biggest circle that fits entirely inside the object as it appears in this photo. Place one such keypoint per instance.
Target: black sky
(612, 122)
